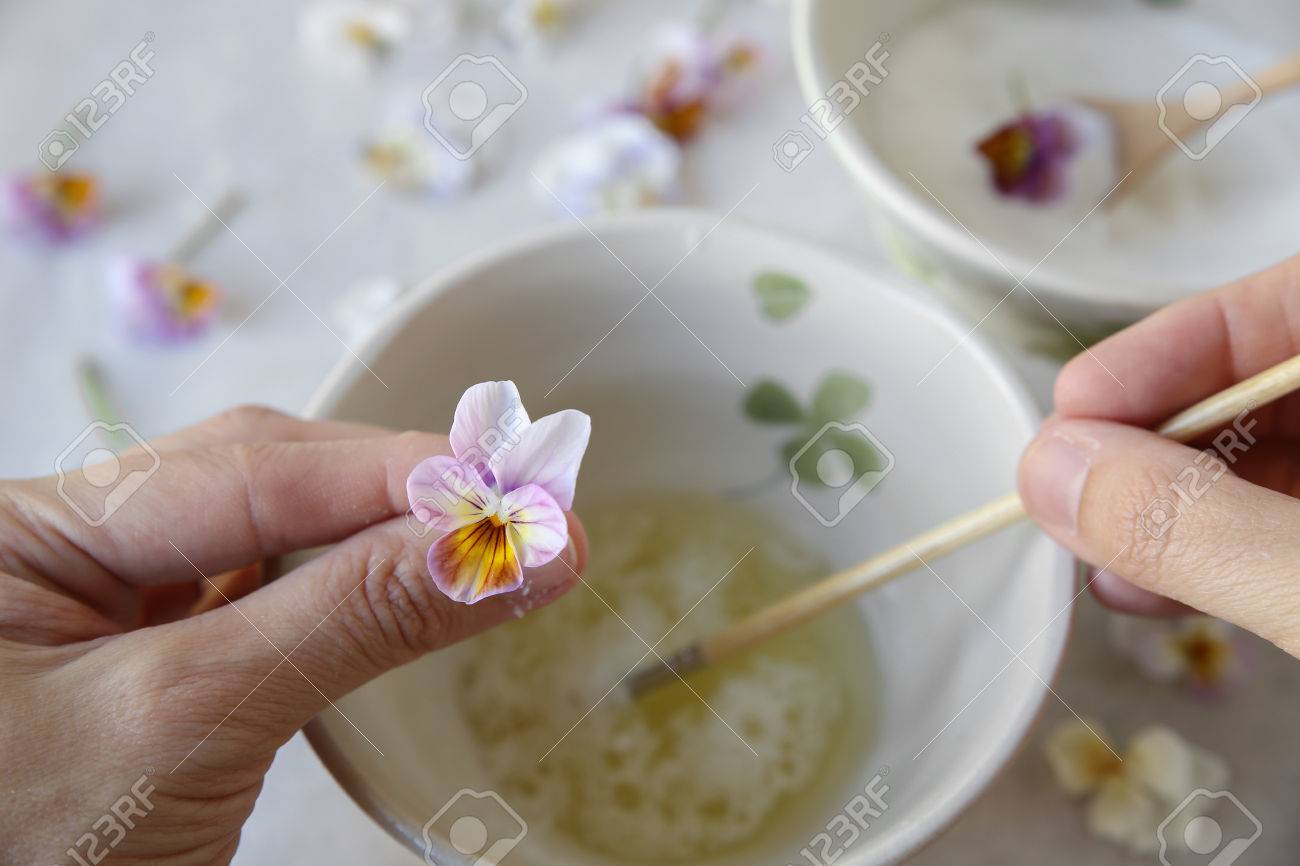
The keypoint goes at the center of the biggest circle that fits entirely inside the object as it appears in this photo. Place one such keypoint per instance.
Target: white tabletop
(234, 103)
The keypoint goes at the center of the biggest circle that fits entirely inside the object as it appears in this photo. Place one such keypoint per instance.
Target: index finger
(225, 507)
(1187, 351)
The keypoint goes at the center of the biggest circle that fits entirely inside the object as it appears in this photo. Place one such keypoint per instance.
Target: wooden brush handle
(1208, 415)
(1279, 76)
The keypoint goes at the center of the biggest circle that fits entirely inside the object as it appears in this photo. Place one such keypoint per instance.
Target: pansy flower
(1207, 654)
(56, 206)
(686, 73)
(1027, 157)
(500, 499)
(162, 301)
(616, 161)
(1130, 794)
(413, 162)
(355, 37)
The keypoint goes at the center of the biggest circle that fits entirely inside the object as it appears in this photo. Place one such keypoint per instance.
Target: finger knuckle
(396, 610)
(1152, 532)
(249, 416)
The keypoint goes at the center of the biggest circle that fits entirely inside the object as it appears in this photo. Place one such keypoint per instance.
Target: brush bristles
(666, 670)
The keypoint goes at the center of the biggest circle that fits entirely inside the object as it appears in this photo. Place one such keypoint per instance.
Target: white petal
(617, 161)
(536, 524)
(1123, 812)
(490, 415)
(1078, 758)
(548, 455)
(1163, 761)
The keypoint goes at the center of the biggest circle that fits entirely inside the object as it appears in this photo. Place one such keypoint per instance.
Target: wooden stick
(209, 225)
(1206, 416)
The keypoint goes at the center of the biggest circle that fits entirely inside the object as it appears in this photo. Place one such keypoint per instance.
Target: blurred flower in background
(53, 206)
(686, 73)
(413, 161)
(1130, 793)
(1027, 157)
(161, 301)
(1206, 654)
(614, 161)
(530, 23)
(355, 38)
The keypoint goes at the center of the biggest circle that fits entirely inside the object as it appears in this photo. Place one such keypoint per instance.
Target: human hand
(1216, 529)
(130, 732)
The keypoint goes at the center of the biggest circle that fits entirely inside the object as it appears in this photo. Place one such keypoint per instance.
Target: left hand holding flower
(116, 688)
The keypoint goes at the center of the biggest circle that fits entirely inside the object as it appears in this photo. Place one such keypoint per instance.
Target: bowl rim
(350, 367)
(1109, 299)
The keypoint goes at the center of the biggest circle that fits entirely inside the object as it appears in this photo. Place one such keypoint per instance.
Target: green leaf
(860, 453)
(840, 396)
(770, 403)
(780, 295)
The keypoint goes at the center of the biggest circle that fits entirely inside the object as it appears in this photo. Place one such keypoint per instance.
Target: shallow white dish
(557, 312)
(1192, 225)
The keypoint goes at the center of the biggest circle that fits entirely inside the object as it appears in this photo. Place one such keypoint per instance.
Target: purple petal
(490, 415)
(446, 493)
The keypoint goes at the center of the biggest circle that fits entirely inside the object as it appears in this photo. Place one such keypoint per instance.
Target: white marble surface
(234, 103)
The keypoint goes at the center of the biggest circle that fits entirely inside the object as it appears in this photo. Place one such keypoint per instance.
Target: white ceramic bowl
(667, 415)
(1079, 283)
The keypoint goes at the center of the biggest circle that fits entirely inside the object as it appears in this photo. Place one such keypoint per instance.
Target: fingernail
(1052, 477)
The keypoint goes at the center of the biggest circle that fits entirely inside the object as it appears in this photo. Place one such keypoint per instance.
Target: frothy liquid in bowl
(665, 779)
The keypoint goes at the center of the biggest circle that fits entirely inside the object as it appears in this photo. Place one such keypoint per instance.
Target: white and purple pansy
(500, 497)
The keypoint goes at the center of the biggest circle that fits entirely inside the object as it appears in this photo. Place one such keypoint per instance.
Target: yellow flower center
(363, 35)
(547, 15)
(187, 296)
(1206, 656)
(70, 193)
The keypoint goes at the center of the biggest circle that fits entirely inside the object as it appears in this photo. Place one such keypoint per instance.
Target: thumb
(1171, 520)
(357, 611)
